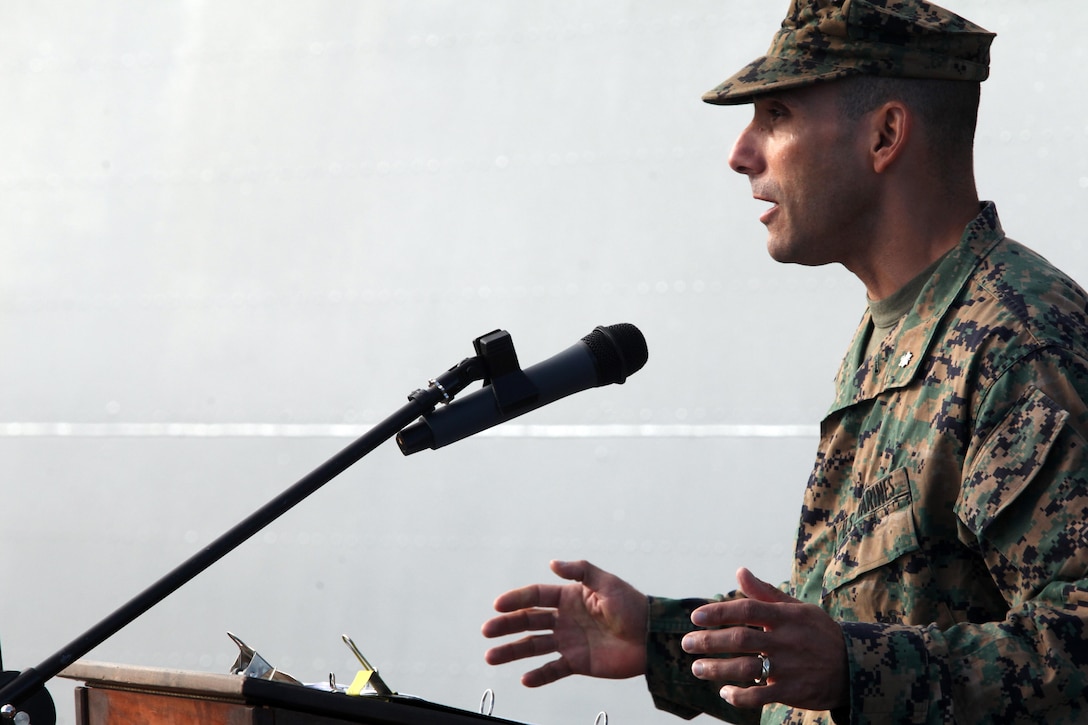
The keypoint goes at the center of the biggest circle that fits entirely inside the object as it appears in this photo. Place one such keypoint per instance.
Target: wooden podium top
(110, 688)
(156, 679)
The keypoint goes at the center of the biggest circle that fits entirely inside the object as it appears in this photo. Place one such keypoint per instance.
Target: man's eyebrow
(774, 97)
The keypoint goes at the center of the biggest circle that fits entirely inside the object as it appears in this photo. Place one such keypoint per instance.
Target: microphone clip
(496, 364)
(512, 388)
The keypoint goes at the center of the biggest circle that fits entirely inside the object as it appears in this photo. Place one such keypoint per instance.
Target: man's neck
(908, 244)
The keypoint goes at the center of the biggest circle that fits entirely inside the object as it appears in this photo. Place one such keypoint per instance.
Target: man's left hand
(804, 646)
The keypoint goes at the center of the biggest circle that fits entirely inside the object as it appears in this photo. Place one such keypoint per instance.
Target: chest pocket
(880, 531)
(1013, 454)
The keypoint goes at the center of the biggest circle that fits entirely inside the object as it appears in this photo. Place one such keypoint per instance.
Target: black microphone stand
(24, 693)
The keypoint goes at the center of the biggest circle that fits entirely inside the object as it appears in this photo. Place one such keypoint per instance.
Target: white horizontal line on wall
(337, 430)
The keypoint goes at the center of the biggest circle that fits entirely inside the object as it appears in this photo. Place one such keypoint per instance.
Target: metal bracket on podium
(251, 664)
(366, 677)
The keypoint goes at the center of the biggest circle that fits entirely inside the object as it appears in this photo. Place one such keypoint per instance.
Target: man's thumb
(755, 588)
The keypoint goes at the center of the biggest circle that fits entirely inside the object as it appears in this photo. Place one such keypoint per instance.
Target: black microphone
(606, 355)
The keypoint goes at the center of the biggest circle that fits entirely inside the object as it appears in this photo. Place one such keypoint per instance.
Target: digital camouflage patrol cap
(822, 40)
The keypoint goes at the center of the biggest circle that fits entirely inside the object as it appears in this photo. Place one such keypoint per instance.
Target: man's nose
(745, 158)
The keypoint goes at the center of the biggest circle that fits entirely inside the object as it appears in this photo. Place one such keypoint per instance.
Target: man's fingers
(758, 608)
(534, 595)
(751, 698)
(523, 620)
(743, 669)
(576, 571)
(547, 674)
(548, 595)
(534, 646)
(743, 612)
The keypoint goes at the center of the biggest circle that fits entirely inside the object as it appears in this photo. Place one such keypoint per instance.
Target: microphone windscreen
(618, 350)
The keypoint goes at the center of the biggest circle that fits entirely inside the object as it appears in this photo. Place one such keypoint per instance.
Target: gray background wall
(235, 234)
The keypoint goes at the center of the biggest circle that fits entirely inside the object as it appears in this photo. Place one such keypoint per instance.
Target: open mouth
(770, 211)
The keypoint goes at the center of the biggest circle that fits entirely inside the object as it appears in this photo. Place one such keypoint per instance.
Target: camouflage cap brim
(767, 75)
(823, 40)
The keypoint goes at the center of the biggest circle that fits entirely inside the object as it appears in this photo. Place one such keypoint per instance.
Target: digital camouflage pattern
(822, 40)
(668, 666)
(945, 523)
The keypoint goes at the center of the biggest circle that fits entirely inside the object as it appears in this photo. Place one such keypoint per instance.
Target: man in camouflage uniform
(941, 564)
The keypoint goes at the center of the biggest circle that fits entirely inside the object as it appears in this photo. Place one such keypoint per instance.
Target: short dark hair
(948, 109)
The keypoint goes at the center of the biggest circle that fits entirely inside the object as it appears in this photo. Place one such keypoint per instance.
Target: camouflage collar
(899, 358)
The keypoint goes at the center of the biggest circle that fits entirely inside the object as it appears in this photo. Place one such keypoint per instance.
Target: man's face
(801, 155)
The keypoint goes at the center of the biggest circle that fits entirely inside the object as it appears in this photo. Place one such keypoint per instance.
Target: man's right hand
(597, 625)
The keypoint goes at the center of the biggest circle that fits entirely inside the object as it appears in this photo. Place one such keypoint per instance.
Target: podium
(114, 693)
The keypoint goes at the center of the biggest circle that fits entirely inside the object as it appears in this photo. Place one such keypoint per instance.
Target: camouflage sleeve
(1023, 508)
(668, 668)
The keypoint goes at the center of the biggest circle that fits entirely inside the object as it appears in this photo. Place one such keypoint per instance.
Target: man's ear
(890, 127)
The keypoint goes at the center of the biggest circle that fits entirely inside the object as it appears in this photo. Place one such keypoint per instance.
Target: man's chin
(785, 254)
(780, 252)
